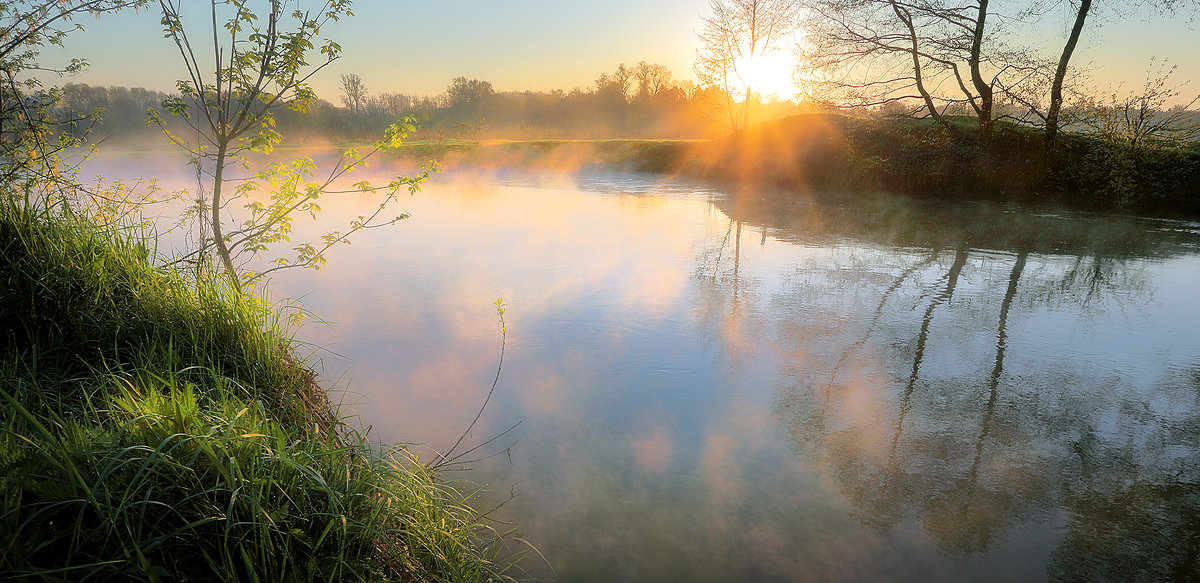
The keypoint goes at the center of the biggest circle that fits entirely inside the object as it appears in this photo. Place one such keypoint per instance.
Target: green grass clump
(157, 428)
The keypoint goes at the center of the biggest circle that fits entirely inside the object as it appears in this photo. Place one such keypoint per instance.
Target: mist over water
(713, 387)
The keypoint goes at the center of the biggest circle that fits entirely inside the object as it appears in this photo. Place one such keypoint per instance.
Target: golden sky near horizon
(416, 48)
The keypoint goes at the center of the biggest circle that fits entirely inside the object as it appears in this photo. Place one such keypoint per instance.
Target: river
(716, 387)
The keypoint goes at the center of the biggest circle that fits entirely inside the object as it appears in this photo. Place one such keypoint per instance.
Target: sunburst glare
(768, 75)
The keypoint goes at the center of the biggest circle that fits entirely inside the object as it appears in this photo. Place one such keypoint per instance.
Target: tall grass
(158, 428)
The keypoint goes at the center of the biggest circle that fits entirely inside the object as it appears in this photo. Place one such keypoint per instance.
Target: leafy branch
(259, 63)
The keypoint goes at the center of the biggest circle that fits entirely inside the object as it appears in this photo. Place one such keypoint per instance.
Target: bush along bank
(158, 428)
(808, 153)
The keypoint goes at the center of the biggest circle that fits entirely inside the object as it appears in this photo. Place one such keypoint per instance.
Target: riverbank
(162, 427)
(919, 158)
(803, 154)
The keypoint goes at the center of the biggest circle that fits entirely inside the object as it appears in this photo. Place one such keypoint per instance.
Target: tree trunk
(746, 109)
(997, 370)
(906, 18)
(1056, 97)
(983, 88)
(218, 237)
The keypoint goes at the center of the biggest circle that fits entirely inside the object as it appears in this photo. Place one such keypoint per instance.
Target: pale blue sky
(417, 47)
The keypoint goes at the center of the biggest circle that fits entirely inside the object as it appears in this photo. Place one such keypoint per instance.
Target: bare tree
(1081, 12)
(390, 104)
(738, 33)
(354, 93)
(1146, 118)
(941, 54)
(918, 76)
(948, 56)
(616, 84)
(651, 78)
(469, 96)
(1060, 72)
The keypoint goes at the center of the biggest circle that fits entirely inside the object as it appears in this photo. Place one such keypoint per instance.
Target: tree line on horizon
(641, 101)
(471, 109)
(646, 100)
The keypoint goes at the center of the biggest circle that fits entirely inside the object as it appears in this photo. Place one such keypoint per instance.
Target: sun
(769, 76)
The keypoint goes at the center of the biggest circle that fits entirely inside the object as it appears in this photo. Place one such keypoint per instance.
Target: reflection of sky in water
(803, 394)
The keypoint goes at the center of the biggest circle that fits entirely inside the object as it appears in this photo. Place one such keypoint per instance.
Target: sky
(416, 47)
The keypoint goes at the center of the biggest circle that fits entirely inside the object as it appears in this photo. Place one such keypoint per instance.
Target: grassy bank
(159, 428)
(917, 157)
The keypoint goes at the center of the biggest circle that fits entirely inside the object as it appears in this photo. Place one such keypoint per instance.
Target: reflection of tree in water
(1146, 531)
(1133, 502)
(725, 289)
(968, 445)
(959, 509)
(970, 477)
(967, 532)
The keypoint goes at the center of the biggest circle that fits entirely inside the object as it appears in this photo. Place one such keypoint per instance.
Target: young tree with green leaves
(253, 60)
(30, 140)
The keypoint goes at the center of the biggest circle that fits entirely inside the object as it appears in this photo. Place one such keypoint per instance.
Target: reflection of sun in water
(769, 75)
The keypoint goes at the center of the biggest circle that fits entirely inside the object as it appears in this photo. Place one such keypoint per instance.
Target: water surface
(714, 388)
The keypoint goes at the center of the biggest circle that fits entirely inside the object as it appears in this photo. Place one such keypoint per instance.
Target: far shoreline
(810, 154)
